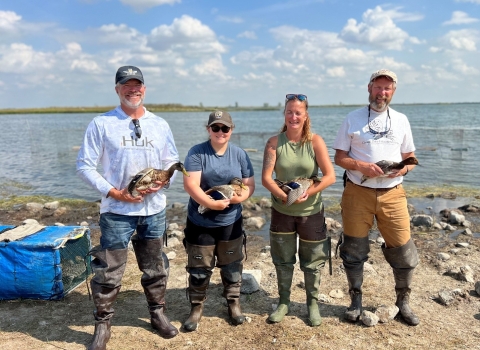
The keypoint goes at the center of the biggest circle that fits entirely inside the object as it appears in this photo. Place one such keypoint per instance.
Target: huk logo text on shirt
(131, 142)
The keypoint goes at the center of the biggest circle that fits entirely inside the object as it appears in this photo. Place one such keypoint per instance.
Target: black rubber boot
(201, 261)
(101, 336)
(104, 298)
(355, 309)
(403, 260)
(230, 260)
(354, 252)
(108, 267)
(231, 292)
(197, 289)
(403, 298)
(161, 323)
(154, 282)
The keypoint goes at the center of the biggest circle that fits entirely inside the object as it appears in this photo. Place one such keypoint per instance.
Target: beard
(380, 105)
(130, 104)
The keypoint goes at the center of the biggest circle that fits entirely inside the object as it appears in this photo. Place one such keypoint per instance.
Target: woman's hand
(219, 204)
(302, 198)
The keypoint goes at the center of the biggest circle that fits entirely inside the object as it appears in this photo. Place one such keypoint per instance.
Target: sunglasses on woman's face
(216, 128)
(299, 97)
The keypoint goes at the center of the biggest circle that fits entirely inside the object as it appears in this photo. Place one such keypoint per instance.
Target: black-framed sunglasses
(299, 97)
(216, 128)
(137, 128)
(380, 134)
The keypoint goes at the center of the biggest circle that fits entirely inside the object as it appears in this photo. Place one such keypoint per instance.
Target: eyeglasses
(299, 97)
(379, 134)
(216, 128)
(137, 128)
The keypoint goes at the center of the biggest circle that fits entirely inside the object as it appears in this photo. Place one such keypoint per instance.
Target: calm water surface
(38, 152)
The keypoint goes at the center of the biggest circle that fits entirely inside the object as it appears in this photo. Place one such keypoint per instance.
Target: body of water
(38, 151)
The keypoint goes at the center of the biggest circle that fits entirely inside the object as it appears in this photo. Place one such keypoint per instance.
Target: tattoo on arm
(269, 156)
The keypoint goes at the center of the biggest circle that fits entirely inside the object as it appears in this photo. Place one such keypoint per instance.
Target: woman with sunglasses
(215, 237)
(297, 153)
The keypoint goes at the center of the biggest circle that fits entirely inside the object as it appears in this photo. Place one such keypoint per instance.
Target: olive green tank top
(295, 160)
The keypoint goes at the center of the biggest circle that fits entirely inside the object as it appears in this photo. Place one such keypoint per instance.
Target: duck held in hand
(389, 166)
(223, 192)
(296, 188)
(146, 178)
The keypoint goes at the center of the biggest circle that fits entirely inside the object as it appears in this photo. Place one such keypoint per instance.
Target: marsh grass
(12, 202)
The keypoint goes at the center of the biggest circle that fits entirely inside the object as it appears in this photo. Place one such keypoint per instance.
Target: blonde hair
(307, 134)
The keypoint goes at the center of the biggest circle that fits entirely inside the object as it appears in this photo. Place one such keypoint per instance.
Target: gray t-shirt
(217, 170)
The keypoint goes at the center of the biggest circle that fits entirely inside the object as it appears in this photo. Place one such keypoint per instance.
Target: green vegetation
(170, 107)
(176, 107)
(332, 204)
(442, 191)
(12, 202)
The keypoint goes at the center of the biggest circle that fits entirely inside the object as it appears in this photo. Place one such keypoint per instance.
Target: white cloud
(472, 1)
(20, 58)
(255, 58)
(337, 72)
(460, 17)
(459, 66)
(416, 41)
(399, 16)
(112, 35)
(142, 5)
(464, 39)
(236, 20)
(8, 21)
(212, 68)
(188, 36)
(378, 29)
(248, 34)
(259, 77)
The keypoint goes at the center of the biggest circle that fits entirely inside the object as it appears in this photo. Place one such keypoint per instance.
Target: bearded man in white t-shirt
(369, 135)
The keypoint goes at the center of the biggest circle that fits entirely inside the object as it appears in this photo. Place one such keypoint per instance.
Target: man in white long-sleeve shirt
(125, 141)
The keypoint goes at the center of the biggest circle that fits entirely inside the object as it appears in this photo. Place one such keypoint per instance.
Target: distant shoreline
(182, 108)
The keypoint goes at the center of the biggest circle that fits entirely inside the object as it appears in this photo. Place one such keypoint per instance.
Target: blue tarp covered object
(44, 265)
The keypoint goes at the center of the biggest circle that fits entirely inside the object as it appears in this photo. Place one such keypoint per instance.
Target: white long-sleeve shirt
(110, 141)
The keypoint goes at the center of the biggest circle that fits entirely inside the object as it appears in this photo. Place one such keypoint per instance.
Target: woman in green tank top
(295, 155)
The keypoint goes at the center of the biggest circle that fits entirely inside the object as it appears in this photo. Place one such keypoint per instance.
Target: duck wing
(301, 184)
(141, 181)
(389, 166)
(217, 193)
(287, 186)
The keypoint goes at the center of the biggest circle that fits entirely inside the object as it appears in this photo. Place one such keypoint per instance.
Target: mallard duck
(146, 178)
(295, 188)
(388, 166)
(223, 192)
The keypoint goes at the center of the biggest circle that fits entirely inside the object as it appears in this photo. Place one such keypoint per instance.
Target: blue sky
(218, 53)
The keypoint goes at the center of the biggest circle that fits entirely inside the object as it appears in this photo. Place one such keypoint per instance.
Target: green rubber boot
(313, 255)
(283, 249)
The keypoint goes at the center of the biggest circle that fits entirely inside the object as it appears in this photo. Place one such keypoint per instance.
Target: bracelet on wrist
(406, 171)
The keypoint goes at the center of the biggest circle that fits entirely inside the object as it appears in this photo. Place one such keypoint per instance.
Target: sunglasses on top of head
(299, 97)
(216, 128)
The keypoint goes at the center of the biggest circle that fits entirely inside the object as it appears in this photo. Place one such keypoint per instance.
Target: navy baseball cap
(127, 73)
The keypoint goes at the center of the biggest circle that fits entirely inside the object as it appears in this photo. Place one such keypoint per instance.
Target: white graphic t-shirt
(385, 137)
